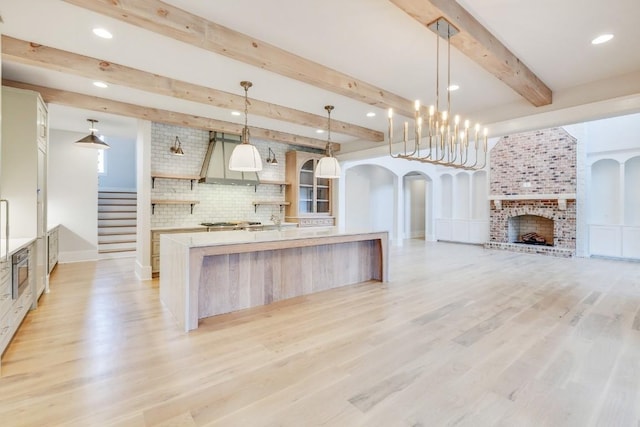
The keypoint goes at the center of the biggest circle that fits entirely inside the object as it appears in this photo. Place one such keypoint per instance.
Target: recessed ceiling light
(319, 131)
(101, 32)
(453, 87)
(371, 114)
(235, 113)
(101, 85)
(602, 39)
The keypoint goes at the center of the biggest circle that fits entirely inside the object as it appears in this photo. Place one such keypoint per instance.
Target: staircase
(116, 224)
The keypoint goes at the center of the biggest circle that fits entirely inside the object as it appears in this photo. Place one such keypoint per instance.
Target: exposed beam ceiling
(476, 42)
(87, 102)
(55, 59)
(181, 25)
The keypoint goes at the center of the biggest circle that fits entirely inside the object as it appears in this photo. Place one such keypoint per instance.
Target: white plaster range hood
(215, 168)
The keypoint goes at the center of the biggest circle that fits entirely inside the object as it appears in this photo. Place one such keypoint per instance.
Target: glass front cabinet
(309, 197)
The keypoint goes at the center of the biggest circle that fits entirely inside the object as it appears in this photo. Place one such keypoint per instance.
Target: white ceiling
(371, 40)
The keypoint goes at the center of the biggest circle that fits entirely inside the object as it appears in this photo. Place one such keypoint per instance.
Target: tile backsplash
(216, 202)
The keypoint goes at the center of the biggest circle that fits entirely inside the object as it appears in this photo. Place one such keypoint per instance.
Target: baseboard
(143, 272)
(77, 256)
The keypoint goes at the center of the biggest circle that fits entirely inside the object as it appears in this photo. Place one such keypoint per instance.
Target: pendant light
(245, 157)
(328, 166)
(176, 148)
(272, 158)
(92, 141)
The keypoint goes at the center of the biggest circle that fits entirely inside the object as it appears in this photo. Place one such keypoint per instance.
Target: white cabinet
(23, 174)
(13, 312)
(53, 247)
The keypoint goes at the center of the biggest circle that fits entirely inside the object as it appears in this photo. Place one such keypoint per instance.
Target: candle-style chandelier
(447, 141)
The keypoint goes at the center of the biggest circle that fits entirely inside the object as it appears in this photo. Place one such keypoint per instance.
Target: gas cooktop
(239, 224)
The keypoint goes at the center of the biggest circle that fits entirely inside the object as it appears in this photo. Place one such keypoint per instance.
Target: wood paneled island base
(205, 274)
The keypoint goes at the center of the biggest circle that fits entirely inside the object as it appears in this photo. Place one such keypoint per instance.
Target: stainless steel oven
(20, 263)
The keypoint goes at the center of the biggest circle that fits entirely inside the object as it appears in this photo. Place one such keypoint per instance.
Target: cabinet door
(306, 196)
(42, 123)
(322, 195)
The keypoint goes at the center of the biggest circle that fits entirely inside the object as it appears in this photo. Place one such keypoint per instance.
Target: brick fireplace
(532, 190)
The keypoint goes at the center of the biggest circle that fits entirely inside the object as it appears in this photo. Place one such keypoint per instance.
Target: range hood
(215, 168)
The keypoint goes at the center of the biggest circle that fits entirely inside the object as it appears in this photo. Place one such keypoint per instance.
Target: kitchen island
(205, 274)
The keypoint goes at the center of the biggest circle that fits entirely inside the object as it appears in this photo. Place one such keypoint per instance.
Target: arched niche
(479, 197)
(461, 206)
(605, 193)
(446, 196)
(418, 205)
(632, 192)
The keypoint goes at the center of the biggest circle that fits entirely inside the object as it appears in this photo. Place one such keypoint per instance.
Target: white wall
(73, 196)
(415, 206)
(357, 206)
(120, 162)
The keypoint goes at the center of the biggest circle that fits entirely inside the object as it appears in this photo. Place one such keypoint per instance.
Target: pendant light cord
(329, 108)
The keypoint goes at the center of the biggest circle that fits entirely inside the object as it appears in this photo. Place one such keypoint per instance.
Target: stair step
(112, 242)
(117, 215)
(107, 251)
(116, 194)
(108, 223)
(118, 232)
(117, 223)
(110, 205)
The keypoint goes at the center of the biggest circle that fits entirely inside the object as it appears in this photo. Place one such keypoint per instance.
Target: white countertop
(266, 226)
(221, 238)
(14, 245)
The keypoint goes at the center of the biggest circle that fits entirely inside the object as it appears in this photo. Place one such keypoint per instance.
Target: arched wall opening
(418, 206)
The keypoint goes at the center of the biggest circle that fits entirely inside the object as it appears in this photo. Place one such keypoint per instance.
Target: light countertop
(177, 228)
(14, 245)
(221, 238)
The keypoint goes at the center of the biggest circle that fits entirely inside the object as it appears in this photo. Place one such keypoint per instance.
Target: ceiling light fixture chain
(245, 157)
(448, 142)
(328, 166)
(245, 132)
(329, 109)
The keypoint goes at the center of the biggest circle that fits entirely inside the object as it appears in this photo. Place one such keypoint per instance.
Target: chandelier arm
(465, 156)
(476, 160)
(485, 160)
(390, 132)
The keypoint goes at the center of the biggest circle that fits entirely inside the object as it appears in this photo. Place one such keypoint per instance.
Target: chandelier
(447, 141)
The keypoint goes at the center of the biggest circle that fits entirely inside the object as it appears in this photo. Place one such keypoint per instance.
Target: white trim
(77, 256)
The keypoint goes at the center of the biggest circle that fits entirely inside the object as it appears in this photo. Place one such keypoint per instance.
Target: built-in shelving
(282, 184)
(271, 203)
(154, 175)
(155, 202)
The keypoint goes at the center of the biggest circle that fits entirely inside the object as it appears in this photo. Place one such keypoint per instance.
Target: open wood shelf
(172, 202)
(282, 184)
(154, 175)
(269, 202)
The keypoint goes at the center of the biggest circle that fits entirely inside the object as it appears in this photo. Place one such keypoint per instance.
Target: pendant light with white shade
(245, 157)
(328, 166)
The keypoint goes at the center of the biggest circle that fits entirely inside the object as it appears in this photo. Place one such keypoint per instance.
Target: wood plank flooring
(460, 336)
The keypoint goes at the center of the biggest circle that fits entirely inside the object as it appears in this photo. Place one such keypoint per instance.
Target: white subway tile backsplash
(216, 202)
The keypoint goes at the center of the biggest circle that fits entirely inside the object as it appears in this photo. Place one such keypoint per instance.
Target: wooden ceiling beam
(477, 43)
(71, 63)
(88, 102)
(170, 21)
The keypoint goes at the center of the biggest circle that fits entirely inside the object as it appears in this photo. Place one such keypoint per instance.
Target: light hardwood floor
(460, 336)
